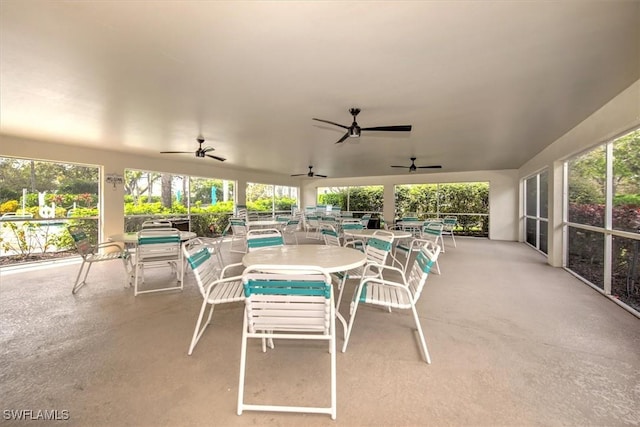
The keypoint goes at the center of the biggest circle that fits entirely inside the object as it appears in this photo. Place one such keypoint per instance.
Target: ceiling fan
(413, 166)
(310, 174)
(200, 152)
(354, 130)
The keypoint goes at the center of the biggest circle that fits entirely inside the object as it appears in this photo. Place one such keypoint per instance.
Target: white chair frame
(263, 238)
(213, 284)
(239, 231)
(401, 295)
(449, 224)
(158, 248)
(104, 251)
(294, 303)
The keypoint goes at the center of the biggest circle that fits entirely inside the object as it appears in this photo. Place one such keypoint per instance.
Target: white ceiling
(486, 85)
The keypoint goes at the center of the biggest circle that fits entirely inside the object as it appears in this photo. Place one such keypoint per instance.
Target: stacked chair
(239, 230)
(158, 247)
(450, 223)
(291, 229)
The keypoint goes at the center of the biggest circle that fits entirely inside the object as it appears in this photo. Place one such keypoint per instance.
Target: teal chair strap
(286, 287)
(197, 259)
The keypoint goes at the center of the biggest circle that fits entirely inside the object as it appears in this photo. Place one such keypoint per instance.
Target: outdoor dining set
(287, 288)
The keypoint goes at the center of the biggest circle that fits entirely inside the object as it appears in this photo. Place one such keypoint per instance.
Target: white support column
(111, 201)
(555, 188)
(389, 206)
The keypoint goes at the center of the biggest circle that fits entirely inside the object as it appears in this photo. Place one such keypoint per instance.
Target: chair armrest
(381, 269)
(226, 267)
(353, 243)
(420, 242)
(384, 282)
(103, 245)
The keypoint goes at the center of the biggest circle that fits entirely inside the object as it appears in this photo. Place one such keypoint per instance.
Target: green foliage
(9, 206)
(284, 203)
(627, 199)
(334, 199)
(154, 208)
(79, 187)
(368, 199)
(27, 237)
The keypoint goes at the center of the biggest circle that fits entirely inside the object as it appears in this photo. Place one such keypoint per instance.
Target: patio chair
(377, 249)
(90, 254)
(296, 303)
(238, 234)
(291, 229)
(450, 223)
(263, 238)
(312, 227)
(365, 220)
(431, 232)
(375, 290)
(329, 235)
(213, 283)
(350, 224)
(158, 248)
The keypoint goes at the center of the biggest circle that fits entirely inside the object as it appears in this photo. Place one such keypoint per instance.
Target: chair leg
(341, 286)
(197, 333)
(332, 350)
(454, 240)
(351, 319)
(127, 272)
(243, 361)
(422, 340)
(77, 285)
(136, 273)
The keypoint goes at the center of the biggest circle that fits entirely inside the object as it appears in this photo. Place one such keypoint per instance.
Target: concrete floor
(513, 341)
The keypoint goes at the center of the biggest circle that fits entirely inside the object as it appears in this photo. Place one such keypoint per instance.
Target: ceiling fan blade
(207, 149)
(300, 174)
(321, 176)
(332, 123)
(430, 167)
(176, 152)
(400, 128)
(345, 136)
(222, 159)
(405, 167)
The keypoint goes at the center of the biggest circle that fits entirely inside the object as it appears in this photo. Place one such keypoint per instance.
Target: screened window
(468, 201)
(38, 200)
(270, 200)
(603, 218)
(201, 205)
(536, 207)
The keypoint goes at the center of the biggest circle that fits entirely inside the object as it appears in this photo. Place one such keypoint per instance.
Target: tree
(165, 189)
